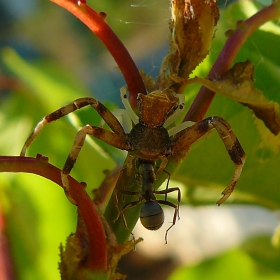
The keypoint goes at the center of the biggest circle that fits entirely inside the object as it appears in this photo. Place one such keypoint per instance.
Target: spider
(153, 136)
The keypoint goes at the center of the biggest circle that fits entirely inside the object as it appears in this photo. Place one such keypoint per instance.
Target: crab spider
(151, 138)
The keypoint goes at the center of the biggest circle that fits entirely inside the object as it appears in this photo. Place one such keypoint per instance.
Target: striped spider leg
(117, 138)
(184, 139)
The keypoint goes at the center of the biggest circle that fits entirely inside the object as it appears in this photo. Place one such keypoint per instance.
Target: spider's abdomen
(150, 142)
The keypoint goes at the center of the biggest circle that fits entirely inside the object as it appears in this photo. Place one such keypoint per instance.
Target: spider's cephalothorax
(150, 138)
(151, 213)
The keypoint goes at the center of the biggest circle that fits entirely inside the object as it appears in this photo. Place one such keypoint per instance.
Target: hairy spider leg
(108, 117)
(100, 133)
(117, 138)
(184, 139)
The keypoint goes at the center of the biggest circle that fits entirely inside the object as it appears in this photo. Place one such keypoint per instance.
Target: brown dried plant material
(238, 84)
(192, 28)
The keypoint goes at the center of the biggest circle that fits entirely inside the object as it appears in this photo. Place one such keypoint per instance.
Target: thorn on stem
(42, 158)
(103, 15)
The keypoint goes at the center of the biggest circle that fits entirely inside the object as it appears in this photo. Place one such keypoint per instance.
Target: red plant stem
(6, 265)
(97, 24)
(205, 96)
(10, 83)
(97, 258)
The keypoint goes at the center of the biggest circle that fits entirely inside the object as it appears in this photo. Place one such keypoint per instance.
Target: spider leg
(127, 106)
(179, 111)
(164, 161)
(111, 138)
(184, 139)
(129, 163)
(117, 138)
(108, 117)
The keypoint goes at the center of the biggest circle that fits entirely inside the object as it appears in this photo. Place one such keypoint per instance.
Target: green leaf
(207, 169)
(39, 216)
(238, 84)
(233, 265)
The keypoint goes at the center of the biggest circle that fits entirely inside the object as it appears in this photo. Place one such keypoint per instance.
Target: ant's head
(151, 215)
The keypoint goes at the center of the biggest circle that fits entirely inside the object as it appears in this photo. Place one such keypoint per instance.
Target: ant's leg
(121, 213)
(127, 206)
(166, 191)
(167, 184)
(125, 192)
(176, 210)
(176, 207)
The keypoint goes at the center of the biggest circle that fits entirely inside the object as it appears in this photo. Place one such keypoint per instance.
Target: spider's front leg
(117, 138)
(108, 117)
(113, 139)
(184, 139)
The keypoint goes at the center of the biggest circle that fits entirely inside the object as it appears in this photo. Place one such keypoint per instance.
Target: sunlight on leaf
(269, 145)
(206, 170)
(42, 83)
(225, 267)
(36, 249)
(237, 84)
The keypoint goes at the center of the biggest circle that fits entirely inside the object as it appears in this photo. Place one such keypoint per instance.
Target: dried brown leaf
(192, 29)
(237, 84)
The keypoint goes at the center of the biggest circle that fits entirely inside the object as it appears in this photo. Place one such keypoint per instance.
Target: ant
(151, 213)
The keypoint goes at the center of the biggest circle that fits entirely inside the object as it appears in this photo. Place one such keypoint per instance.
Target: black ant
(151, 213)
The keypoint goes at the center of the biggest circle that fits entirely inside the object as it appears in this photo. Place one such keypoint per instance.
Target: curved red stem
(95, 21)
(205, 96)
(97, 258)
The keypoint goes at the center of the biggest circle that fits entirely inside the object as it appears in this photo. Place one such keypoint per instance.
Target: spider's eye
(151, 215)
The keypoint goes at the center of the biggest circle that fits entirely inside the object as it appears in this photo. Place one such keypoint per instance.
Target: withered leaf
(237, 83)
(192, 28)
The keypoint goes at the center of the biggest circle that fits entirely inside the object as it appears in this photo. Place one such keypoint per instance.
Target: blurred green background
(48, 59)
